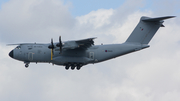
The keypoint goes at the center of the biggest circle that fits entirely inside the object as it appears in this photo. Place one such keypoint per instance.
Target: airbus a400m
(75, 54)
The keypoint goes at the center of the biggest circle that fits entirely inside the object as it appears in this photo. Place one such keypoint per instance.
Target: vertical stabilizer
(146, 29)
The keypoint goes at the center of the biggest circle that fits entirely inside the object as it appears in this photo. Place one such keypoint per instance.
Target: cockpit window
(18, 47)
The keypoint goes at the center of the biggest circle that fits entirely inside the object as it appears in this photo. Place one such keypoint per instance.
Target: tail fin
(146, 29)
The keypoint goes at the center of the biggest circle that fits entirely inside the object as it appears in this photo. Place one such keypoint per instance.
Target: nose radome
(11, 54)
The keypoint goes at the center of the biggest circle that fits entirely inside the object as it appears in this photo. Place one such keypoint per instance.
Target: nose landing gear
(26, 64)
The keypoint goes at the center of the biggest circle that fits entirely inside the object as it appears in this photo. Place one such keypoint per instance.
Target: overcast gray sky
(151, 74)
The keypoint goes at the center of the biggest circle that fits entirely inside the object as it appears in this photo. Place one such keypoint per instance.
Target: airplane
(77, 53)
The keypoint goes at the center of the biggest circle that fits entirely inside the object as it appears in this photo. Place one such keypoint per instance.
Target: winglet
(156, 19)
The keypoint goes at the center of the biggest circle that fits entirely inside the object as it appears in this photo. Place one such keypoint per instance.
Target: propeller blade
(52, 51)
(52, 44)
(52, 48)
(52, 54)
(60, 44)
(60, 40)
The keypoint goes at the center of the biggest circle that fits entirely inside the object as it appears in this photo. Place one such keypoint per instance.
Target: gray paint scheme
(82, 52)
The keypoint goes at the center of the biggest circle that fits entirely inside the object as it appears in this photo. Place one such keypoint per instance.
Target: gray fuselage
(94, 54)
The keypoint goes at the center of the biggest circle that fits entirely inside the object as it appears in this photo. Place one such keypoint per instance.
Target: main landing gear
(73, 66)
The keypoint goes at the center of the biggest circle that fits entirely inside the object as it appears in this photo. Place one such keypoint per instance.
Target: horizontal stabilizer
(156, 19)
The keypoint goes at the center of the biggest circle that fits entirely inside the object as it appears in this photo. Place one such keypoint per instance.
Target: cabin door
(30, 56)
(91, 55)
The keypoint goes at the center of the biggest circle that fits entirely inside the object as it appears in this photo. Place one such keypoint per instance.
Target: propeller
(59, 45)
(52, 48)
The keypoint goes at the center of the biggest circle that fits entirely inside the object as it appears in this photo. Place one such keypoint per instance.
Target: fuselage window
(18, 47)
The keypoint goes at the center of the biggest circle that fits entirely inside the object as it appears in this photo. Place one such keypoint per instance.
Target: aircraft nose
(11, 54)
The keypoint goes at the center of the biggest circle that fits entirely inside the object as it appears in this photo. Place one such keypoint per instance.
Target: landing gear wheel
(78, 68)
(26, 65)
(66, 67)
(72, 67)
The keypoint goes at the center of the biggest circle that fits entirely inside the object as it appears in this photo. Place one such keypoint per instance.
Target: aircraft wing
(79, 44)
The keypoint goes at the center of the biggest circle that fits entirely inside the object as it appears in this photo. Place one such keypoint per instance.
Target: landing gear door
(91, 55)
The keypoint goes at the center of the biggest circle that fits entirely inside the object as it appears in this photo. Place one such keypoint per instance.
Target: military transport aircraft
(75, 54)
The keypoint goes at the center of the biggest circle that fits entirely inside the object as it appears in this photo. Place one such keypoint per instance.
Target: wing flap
(79, 44)
(85, 43)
